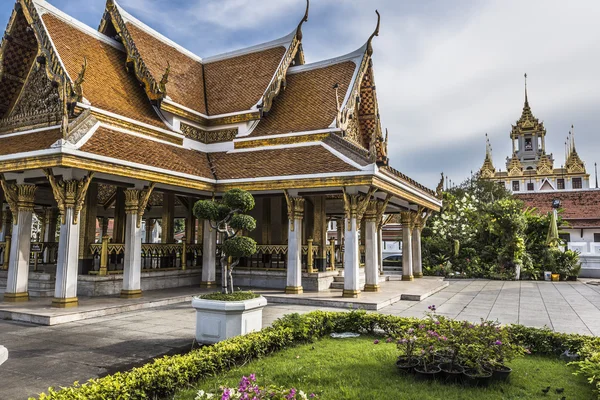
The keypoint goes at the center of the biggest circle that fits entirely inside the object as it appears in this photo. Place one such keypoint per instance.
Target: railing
(108, 257)
(338, 251)
(273, 257)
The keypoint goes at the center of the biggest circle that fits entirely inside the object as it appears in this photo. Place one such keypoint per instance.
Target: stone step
(338, 279)
(390, 268)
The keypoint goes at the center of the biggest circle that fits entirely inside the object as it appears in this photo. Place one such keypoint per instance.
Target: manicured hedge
(165, 375)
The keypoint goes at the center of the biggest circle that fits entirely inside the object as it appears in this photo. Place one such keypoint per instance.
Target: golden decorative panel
(201, 135)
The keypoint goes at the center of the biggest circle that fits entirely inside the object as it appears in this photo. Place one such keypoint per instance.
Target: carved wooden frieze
(201, 135)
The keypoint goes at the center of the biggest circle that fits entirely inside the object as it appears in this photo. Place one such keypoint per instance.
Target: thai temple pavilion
(120, 127)
(530, 168)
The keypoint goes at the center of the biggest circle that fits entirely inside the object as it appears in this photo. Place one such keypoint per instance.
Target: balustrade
(273, 257)
(108, 257)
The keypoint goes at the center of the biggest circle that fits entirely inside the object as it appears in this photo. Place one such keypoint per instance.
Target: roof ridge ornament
(165, 79)
(303, 20)
(375, 33)
(78, 84)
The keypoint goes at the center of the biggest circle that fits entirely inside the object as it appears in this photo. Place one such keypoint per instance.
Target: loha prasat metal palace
(108, 137)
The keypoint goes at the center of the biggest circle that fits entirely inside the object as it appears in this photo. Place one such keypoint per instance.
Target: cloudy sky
(447, 72)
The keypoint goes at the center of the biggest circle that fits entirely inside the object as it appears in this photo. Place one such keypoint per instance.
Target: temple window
(528, 145)
(530, 186)
(596, 237)
(565, 236)
(560, 183)
(515, 186)
(576, 183)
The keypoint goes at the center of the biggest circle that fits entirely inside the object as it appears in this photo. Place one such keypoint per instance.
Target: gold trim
(316, 137)
(225, 120)
(208, 284)
(294, 290)
(408, 278)
(131, 294)
(418, 275)
(16, 297)
(65, 302)
(352, 294)
(137, 128)
(372, 288)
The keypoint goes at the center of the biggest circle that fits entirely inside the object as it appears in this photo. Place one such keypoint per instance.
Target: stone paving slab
(391, 292)
(43, 356)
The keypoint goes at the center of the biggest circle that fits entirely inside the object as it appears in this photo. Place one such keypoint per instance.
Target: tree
(229, 217)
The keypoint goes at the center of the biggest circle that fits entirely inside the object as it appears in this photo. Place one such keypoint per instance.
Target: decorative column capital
(295, 208)
(355, 205)
(69, 193)
(136, 201)
(421, 218)
(408, 219)
(371, 211)
(20, 197)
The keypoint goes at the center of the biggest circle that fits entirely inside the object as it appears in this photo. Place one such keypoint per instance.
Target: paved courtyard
(42, 356)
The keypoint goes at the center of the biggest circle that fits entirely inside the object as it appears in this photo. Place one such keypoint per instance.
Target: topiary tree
(229, 217)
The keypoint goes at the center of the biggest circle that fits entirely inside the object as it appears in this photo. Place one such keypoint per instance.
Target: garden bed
(356, 368)
(163, 377)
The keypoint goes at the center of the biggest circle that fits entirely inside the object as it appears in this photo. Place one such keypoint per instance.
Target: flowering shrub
(249, 390)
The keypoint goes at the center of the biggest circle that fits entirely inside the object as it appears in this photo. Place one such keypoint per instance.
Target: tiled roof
(186, 81)
(238, 83)
(406, 179)
(29, 142)
(107, 84)
(578, 205)
(278, 162)
(126, 147)
(308, 102)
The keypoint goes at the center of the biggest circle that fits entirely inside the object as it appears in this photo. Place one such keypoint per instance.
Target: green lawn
(356, 368)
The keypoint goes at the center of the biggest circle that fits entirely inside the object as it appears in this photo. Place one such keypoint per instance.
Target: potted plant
(428, 368)
(452, 371)
(223, 315)
(406, 360)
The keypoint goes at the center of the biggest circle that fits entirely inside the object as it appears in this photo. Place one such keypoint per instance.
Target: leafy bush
(164, 376)
(235, 296)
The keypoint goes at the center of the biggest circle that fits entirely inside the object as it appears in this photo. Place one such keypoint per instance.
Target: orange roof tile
(308, 102)
(238, 83)
(29, 142)
(277, 162)
(186, 81)
(126, 147)
(107, 84)
(578, 205)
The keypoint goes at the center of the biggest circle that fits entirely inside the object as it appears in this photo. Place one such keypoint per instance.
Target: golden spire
(526, 101)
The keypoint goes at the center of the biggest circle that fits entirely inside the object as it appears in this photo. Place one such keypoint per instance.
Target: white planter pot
(3, 354)
(220, 320)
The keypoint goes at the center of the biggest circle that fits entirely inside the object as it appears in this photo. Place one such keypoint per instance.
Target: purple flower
(498, 343)
(411, 330)
(388, 340)
(437, 322)
(252, 377)
(312, 395)
(376, 341)
(226, 394)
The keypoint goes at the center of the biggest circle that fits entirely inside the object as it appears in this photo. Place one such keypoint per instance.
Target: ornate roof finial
(439, 190)
(526, 101)
(77, 85)
(165, 79)
(375, 33)
(573, 138)
(337, 97)
(110, 4)
(303, 20)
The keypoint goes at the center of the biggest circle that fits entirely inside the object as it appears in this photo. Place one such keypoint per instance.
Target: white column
(351, 257)
(209, 255)
(416, 252)
(371, 249)
(132, 260)
(294, 253)
(18, 265)
(49, 233)
(65, 291)
(380, 249)
(135, 204)
(407, 227)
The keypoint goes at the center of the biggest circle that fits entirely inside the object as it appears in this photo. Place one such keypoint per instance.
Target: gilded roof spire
(526, 101)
